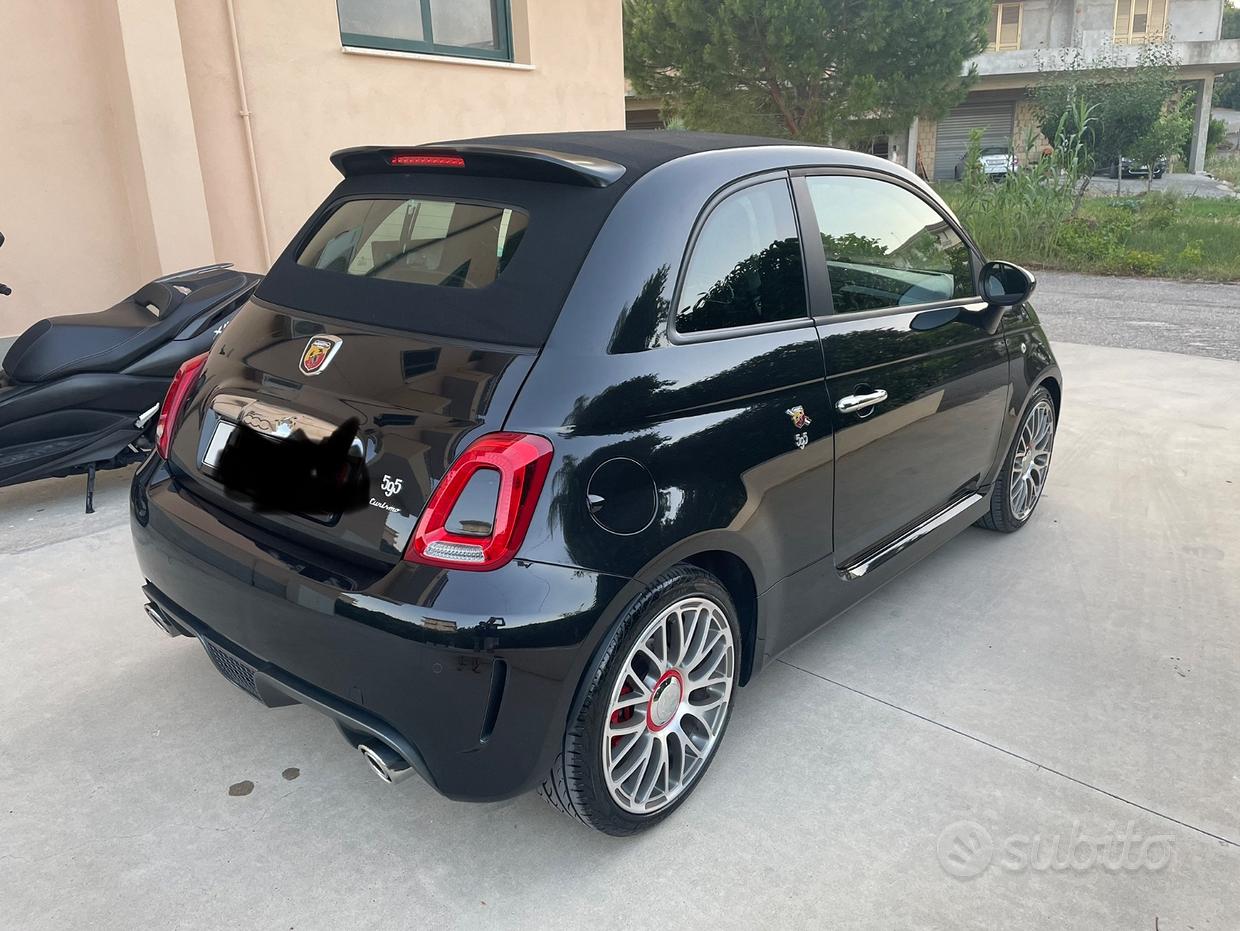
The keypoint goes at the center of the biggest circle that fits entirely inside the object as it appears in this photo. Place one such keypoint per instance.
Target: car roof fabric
(521, 306)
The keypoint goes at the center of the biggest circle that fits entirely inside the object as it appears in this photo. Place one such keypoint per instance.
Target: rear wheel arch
(735, 575)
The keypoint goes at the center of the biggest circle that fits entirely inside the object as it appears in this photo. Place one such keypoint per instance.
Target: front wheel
(655, 710)
(1023, 477)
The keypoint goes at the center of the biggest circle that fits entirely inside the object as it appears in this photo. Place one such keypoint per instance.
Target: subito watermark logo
(967, 849)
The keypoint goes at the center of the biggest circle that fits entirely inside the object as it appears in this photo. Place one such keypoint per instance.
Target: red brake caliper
(620, 715)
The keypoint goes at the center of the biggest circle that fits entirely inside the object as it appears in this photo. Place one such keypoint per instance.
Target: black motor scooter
(81, 393)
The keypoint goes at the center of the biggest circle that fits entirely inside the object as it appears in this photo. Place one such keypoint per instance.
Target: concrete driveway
(1024, 731)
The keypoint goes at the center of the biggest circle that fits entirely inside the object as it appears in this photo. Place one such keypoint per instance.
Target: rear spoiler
(480, 159)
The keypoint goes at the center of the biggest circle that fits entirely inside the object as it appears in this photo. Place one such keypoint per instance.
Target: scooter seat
(105, 341)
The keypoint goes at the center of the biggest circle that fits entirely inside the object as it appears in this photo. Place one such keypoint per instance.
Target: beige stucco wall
(64, 205)
(92, 210)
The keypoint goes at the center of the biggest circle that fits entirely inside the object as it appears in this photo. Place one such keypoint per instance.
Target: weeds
(1151, 234)
(1226, 167)
(1039, 215)
(1033, 212)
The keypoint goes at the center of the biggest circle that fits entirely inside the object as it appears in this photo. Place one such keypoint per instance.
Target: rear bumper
(275, 688)
(471, 676)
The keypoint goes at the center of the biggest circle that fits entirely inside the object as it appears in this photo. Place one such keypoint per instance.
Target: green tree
(1168, 134)
(1125, 100)
(817, 70)
(1227, 86)
(1231, 20)
(1227, 90)
(1216, 131)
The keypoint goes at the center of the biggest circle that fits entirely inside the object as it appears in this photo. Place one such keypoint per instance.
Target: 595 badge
(800, 420)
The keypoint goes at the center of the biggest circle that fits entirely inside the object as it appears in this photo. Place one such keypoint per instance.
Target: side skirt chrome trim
(926, 527)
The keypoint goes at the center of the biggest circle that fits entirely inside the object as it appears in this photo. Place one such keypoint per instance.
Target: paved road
(1183, 183)
(1197, 318)
(1010, 703)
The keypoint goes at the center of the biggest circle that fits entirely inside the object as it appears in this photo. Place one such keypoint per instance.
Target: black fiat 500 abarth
(530, 451)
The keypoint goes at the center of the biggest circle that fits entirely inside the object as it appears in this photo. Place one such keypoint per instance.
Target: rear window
(468, 257)
(445, 243)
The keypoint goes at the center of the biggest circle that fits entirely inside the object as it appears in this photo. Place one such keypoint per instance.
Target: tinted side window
(746, 263)
(885, 246)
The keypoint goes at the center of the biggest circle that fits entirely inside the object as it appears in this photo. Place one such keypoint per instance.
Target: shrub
(1149, 211)
(1135, 262)
(1215, 135)
(1086, 238)
(1193, 253)
(1226, 167)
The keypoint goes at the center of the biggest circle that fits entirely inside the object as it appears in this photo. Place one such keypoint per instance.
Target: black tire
(1000, 517)
(576, 785)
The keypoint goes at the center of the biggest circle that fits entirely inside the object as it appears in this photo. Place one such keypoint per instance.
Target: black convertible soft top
(566, 182)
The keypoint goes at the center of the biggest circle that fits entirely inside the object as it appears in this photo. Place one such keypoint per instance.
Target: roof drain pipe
(244, 112)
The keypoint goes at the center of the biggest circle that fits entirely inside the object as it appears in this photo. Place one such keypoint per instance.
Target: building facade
(1028, 35)
(147, 136)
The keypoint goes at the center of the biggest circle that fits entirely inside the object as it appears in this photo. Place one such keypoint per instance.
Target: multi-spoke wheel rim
(1032, 460)
(668, 705)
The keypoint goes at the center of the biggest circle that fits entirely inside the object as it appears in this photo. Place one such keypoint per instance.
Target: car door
(917, 386)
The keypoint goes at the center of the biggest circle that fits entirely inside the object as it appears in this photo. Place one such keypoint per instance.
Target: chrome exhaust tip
(386, 763)
(153, 612)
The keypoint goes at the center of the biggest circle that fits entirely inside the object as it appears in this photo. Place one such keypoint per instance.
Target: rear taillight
(478, 514)
(182, 381)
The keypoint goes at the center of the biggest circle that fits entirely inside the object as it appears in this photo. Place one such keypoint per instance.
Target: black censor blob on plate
(295, 473)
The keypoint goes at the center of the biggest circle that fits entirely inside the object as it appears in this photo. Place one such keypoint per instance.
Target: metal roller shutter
(952, 137)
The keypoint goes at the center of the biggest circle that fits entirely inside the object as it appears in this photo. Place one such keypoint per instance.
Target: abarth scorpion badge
(318, 353)
(799, 418)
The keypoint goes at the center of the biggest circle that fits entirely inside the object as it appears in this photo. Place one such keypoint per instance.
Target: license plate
(223, 430)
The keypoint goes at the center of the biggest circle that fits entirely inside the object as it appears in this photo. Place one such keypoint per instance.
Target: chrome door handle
(859, 402)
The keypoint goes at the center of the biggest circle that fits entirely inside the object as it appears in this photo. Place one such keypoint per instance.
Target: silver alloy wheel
(1032, 460)
(668, 705)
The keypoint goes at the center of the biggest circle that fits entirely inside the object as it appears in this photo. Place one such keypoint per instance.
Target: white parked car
(996, 163)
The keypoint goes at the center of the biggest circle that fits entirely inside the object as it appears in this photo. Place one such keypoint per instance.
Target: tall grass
(1192, 237)
(1227, 167)
(1150, 234)
(1039, 216)
(1027, 213)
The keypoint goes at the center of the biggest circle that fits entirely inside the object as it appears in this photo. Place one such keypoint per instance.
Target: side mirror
(1005, 284)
